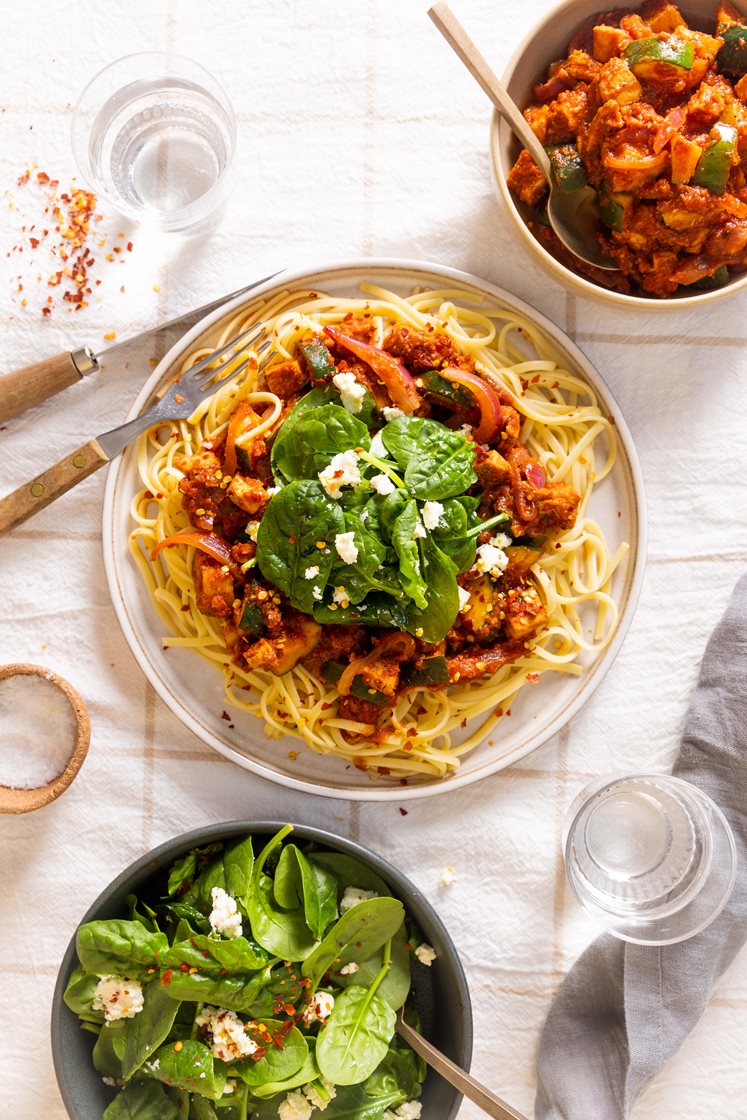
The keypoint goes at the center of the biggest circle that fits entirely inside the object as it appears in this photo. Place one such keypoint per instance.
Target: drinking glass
(650, 856)
(154, 134)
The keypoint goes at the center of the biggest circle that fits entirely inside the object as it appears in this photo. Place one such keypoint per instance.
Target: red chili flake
(533, 678)
(129, 246)
(166, 978)
(224, 715)
(403, 812)
(184, 967)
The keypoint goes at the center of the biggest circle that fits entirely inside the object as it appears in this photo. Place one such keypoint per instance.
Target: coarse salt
(37, 731)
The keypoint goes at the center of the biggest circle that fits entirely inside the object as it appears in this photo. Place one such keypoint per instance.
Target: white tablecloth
(360, 134)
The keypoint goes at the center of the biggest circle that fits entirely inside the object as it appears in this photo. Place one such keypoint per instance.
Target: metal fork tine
(230, 345)
(209, 387)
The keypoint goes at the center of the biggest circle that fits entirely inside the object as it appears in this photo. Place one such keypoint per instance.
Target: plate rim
(593, 676)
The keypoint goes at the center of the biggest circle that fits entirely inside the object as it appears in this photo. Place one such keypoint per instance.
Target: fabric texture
(624, 1009)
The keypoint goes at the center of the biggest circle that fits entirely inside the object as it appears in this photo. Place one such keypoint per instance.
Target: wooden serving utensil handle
(50, 484)
(29, 385)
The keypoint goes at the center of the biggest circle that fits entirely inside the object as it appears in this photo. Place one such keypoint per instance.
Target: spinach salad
(258, 985)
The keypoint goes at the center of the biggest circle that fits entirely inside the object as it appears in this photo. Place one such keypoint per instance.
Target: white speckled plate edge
(539, 712)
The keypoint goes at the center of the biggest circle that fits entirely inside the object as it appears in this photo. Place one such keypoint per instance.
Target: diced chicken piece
(660, 15)
(423, 350)
(706, 105)
(520, 560)
(278, 655)
(566, 116)
(684, 156)
(360, 711)
(381, 675)
(525, 612)
(286, 379)
(556, 506)
(510, 425)
(491, 468)
(635, 26)
(248, 494)
(213, 586)
(526, 180)
(581, 66)
(536, 117)
(740, 89)
(202, 493)
(617, 82)
(609, 42)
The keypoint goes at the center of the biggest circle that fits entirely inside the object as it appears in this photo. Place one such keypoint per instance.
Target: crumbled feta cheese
(351, 391)
(410, 1110)
(228, 1088)
(432, 514)
(117, 998)
(252, 528)
(109, 1081)
(294, 1107)
(349, 969)
(377, 447)
(447, 876)
(392, 413)
(419, 530)
(225, 1034)
(312, 572)
(340, 595)
(383, 484)
(346, 547)
(364, 515)
(501, 540)
(426, 954)
(342, 471)
(315, 1098)
(273, 490)
(491, 559)
(154, 1065)
(317, 593)
(464, 598)
(466, 431)
(354, 895)
(225, 917)
(319, 1009)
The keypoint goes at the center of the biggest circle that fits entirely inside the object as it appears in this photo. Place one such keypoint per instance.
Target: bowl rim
(500, 132)
(415, 901)
(333, 271)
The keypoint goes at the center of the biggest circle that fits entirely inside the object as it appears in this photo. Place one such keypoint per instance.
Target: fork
(178, 403)
(479, 1094)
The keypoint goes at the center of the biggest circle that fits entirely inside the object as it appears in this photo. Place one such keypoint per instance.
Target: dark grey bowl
(440, 991)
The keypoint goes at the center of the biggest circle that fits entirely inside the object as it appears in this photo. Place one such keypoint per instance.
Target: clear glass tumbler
(650, 856)
(154, 135)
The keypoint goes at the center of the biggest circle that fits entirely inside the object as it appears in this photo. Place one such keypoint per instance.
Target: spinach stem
(198, 1012)
(499, 519)
(383, 466)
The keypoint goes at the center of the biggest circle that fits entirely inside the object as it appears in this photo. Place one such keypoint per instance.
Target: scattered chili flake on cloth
(55, 240)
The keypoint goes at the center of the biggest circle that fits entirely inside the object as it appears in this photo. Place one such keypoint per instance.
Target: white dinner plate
(193, 689)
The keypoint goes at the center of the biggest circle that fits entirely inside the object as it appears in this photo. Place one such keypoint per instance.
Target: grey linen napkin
(624, 1009)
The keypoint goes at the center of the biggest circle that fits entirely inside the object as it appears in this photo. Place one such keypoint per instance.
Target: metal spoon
(574, 217)
(473, 1090)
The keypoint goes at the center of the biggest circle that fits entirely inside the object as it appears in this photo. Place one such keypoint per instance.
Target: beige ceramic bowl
(14, 800)
(547, 41)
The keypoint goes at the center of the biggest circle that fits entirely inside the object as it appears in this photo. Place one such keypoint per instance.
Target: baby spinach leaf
(318, 435)
(433, 623)
(284, 933)
(213, 957)
(109, 1048)
(296, 518)
(279, 1063)
(142, 1100)
(298, 882)
(356, 936)
(308, 1072)
(395, 986)
(178, 912)
(356, 1035)
(314, 399)
(395, 1080)
(185, 870)
(366, 572)
(145, 1032)
(238, 863)
(377, 609)
(141, 912)
(183, 1063)
(202, 1109)
(237, 993)
(437, 462)
(79, 994)
(350, 872)
(406, 547)
(118, 947)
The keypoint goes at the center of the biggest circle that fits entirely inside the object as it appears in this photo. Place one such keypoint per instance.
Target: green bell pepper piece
(717, 279)
(712, 170)
(318, 360)
(732, 56)
(567, 168)
(612, 207)
(676, 52)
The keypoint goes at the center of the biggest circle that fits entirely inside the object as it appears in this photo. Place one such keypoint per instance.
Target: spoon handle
(473, 1090)
(466, 49)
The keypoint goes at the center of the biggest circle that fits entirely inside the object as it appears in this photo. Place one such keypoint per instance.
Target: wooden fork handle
(48, 486)
(29, 385)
